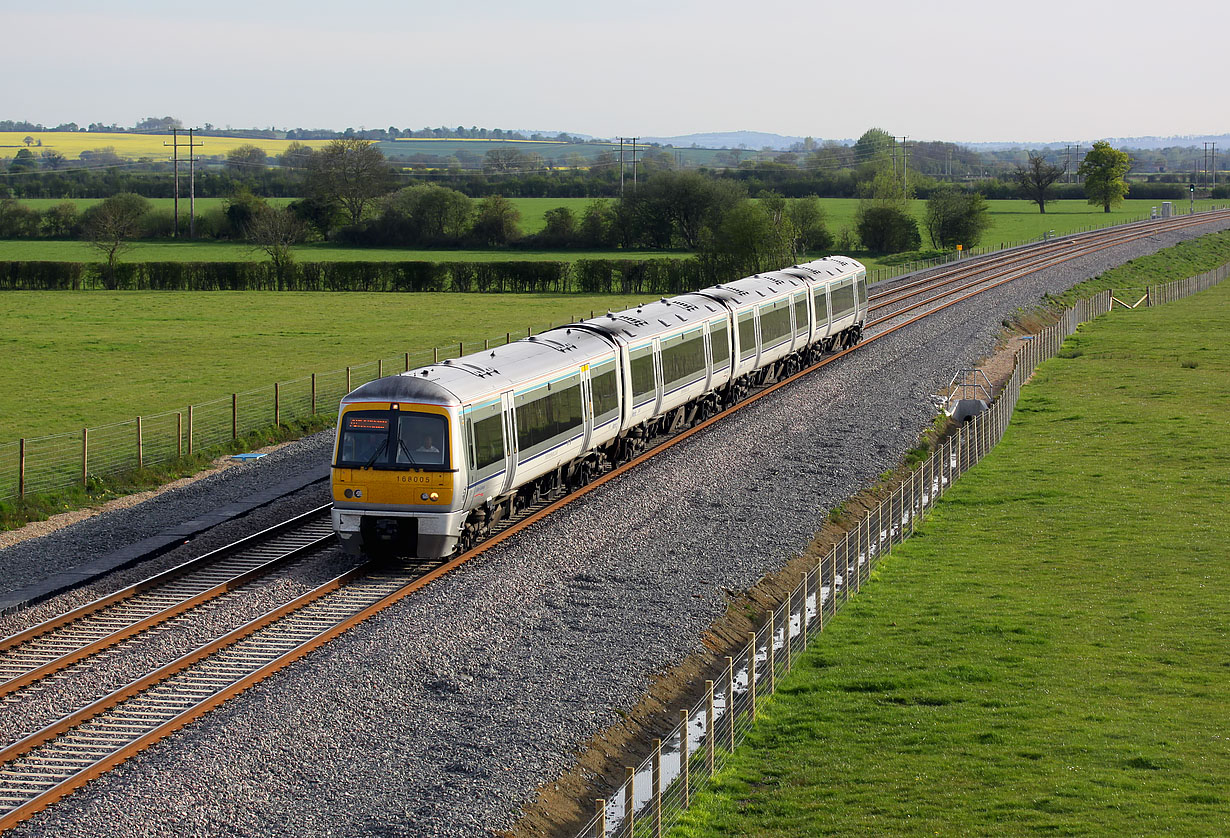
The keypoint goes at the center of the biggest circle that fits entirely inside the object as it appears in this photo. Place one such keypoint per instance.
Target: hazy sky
(945, 69)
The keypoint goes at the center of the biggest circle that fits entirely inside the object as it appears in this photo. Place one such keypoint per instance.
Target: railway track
(66, 754)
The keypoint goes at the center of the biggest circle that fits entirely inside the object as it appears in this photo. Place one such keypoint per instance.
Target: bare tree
(275, 232)
(350, 171)
(111, 225)
(1036, 179)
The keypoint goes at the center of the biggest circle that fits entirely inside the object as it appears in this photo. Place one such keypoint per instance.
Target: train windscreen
(393, 439)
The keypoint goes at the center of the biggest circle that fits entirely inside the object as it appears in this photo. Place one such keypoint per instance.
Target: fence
(655, 793)
(60, 461)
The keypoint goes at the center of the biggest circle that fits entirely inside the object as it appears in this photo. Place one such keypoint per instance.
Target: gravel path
(442, 715)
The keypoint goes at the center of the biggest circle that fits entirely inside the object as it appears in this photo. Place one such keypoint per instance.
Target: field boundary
(656, 792)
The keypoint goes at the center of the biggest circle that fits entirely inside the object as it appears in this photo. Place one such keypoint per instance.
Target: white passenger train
(426, 462)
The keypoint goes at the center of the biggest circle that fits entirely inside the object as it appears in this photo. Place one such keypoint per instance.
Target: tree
(752, 237)
(52, 159)
(1103, 170)
(883, 219)
(956, 217)
(1036, 178)
(275, 232)
(561, 229)
(29, 141)
(110, 226)
(18, 221)
(350, 171)
(505, 160)
(807, 215)
(296, 156)
(497, 221)
(597, 224)
(60, 221)
(23, 161)
(678, 205)
(241, 210)
(246, 159)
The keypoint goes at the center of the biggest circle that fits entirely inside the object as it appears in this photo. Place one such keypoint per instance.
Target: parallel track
(83, 745)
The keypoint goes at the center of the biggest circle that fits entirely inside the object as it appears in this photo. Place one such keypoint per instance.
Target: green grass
(1049, 654)
(1128, 281)
(72, 360)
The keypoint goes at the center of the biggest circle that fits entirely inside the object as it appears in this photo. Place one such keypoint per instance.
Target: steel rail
(101, 741)
(41, 650)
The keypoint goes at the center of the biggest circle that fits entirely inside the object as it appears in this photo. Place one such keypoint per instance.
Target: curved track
(66, 755)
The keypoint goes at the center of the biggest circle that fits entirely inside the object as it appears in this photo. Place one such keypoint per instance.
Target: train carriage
(426, 462)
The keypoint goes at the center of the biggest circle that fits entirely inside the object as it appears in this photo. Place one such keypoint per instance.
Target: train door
(510, 440)
(587, 405)
(657, 371)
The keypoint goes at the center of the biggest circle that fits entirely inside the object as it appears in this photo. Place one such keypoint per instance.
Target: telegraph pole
(634, 164)
(621, 167)
(192, 185)
(175, 164)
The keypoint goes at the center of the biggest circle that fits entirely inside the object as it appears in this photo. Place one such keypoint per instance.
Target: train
(428, 461)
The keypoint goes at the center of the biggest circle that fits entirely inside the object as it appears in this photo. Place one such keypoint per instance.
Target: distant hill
(754, 140)
(1184, 141)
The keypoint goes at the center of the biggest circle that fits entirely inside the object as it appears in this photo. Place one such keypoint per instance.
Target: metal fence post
(348, 387)
(657, 788)
(179, 436)
(751, 674)
(730, 701)
(685, 769)
(630, 798)
(710, 733)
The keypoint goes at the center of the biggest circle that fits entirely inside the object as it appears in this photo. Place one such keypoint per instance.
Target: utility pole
(905, 166)
(192, 146)
(634, 164)
(621, 167)
(175, 144)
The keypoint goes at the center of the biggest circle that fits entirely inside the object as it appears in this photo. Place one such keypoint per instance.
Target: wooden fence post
(348, 387)
(277, 403)
(179, 436)
(190, 411)
(85, 456)
(21, 468)
(600, 817)
(803, 617)
(313, 394)
(773, 654)
(630, 798)
(234, 416)
(379, 368)
(407, 362)
(820, 591)
(140, 446)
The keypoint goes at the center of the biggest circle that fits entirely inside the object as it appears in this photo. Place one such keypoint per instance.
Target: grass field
(1048, 656)
(72, 360)
(1012, 221)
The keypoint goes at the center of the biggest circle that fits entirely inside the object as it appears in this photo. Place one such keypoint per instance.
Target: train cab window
(365, 436)
(422, 439)
(719, 344)
(391, 439)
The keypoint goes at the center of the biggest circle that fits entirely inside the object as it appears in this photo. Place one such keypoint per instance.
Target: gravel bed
(31, 561)
(78, 685)
(442, 715)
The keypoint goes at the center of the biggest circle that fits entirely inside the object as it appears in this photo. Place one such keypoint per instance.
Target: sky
(951, 70)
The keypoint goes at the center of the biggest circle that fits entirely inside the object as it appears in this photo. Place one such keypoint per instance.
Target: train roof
(462, 380)
(655, 318)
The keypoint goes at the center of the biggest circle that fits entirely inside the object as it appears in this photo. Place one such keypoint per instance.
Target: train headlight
(424, 496)
(435, 496)
(348, 493)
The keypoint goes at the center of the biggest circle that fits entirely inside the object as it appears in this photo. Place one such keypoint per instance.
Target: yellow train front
(398, 477)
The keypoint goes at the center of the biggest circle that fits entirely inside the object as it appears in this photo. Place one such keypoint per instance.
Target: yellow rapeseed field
(132, 146)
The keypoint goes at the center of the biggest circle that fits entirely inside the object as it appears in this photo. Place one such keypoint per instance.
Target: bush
(887, 229)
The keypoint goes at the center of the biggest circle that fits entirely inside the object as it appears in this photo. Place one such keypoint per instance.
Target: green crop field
(1048, 656)
(72, 360)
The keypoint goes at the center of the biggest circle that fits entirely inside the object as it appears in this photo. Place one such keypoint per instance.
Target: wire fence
(51, 463)
(656, 792)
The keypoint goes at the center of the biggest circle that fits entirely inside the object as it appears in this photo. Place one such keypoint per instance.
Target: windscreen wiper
(401, 443)
(379, 451)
